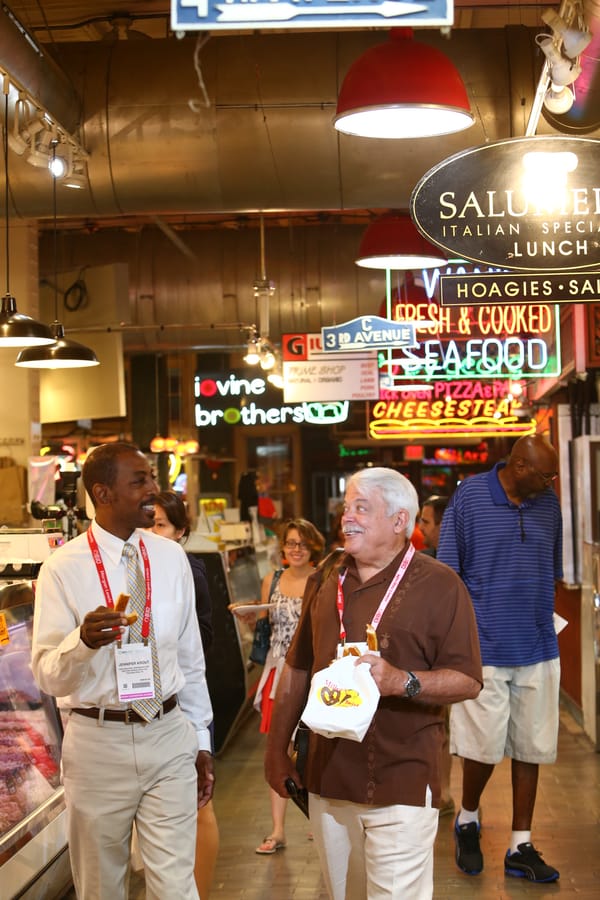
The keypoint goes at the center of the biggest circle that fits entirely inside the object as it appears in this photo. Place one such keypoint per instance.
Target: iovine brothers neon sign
(237, 398)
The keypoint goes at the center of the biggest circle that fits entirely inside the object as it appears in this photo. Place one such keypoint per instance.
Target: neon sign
(517, 340)
(453, 409)
(235, 399)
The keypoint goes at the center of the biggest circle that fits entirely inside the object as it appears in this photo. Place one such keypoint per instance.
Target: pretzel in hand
(121, 606)
(372, 639)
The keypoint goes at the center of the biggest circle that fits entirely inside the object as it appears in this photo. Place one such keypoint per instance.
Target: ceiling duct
(266, 139)
(33, 69)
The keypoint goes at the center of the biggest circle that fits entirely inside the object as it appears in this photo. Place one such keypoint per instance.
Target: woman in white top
(302, 547)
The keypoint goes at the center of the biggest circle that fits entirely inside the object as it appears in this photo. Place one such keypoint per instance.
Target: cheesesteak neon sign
(450, 409)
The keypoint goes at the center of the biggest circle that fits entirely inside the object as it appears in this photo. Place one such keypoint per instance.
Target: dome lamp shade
(402, 89)
(393, 242)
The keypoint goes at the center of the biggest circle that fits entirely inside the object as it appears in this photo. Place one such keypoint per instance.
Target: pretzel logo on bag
(332, 696)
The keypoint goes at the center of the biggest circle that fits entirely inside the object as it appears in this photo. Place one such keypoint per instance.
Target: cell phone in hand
(299, 796)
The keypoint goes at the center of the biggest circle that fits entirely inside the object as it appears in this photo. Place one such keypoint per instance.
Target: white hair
(394, 488)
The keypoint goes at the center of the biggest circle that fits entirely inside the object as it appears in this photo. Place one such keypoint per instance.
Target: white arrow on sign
(281, 12)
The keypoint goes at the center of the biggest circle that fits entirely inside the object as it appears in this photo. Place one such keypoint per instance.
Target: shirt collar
(110, 545)
(387, 572)
(497, 492)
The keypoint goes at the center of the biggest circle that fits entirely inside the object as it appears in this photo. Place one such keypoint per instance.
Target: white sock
(519, 837)
(466, 815)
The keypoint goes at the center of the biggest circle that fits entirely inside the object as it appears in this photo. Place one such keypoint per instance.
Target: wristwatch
(412, 686)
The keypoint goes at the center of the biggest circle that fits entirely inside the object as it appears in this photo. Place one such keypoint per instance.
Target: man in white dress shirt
(118, 767)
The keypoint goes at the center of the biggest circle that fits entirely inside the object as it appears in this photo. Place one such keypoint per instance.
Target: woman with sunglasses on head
(301, 547)
(171, 521)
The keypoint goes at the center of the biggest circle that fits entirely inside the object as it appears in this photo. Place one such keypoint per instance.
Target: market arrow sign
(199, 15)
(531, 204)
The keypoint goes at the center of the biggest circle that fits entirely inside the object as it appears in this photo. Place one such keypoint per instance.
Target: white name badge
(135, 679)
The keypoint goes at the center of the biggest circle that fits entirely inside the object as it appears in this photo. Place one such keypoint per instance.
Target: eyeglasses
(547, 477)
(295, 545)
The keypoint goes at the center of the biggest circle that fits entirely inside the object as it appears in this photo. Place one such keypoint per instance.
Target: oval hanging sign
(531, 204)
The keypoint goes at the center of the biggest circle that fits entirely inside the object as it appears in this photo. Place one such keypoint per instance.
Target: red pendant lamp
(392, 241)
(402, 89)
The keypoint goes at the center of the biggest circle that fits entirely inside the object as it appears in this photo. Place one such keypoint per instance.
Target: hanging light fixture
(402, 89)
(62, 353)
(392, 241)
(16, 329)
(252, 356)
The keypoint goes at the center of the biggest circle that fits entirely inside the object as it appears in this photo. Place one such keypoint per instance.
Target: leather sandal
(270, 845)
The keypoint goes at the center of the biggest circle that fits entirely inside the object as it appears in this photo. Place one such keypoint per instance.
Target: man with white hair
(374, 804)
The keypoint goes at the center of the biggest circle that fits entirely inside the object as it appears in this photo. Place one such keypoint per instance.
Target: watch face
(413, 685)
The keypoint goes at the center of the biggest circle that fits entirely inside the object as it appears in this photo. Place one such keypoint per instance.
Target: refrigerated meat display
(33, 846)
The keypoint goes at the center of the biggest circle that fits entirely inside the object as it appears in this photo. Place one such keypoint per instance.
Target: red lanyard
(145, 630)
(399, 575)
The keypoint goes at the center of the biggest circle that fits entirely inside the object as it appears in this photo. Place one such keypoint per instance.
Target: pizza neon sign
(450, 409)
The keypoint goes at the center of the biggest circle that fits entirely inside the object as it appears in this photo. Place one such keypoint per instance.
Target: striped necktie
(136, 587)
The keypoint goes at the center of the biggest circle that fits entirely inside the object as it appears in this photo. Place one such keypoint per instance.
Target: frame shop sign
(530, 204)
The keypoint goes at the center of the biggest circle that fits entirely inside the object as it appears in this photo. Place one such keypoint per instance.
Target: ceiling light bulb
(58, 166)
(252, 356)
(267, 358)
(559, 99)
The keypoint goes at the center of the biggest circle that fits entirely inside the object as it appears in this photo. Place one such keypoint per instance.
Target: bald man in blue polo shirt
(502, 533)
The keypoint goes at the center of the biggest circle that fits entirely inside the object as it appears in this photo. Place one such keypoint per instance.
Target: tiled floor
(566, 830)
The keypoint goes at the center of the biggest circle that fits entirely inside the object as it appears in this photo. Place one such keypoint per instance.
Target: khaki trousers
(374, 852)
(114, 774)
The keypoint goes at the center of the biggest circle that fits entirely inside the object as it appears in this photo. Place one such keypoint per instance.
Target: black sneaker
(527, 863)
(468, 854)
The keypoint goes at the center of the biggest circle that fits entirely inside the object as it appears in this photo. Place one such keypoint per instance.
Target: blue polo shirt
(509, 557)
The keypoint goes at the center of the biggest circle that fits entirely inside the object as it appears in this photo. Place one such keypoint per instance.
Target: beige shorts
(515, 715)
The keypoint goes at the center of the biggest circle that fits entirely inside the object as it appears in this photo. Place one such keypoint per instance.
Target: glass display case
(33, 843)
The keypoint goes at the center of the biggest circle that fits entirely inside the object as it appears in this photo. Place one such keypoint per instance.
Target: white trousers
(374, 852)
(114, 773)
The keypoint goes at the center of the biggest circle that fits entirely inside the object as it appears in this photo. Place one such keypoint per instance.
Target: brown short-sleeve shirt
(428, 624)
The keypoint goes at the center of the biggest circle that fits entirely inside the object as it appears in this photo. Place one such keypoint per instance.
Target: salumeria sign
(531, 204)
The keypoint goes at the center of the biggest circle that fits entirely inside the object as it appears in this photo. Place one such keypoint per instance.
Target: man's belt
(127, 716)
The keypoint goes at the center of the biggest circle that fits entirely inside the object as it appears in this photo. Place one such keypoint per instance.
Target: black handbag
(262, 630)
(261, 641)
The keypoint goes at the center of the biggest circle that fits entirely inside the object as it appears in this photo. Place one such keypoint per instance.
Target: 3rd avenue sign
(531, 204)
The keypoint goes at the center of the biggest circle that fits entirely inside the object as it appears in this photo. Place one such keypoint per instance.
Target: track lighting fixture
(62, 353)
(16, 329)
(573, 41)
(563, 70)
